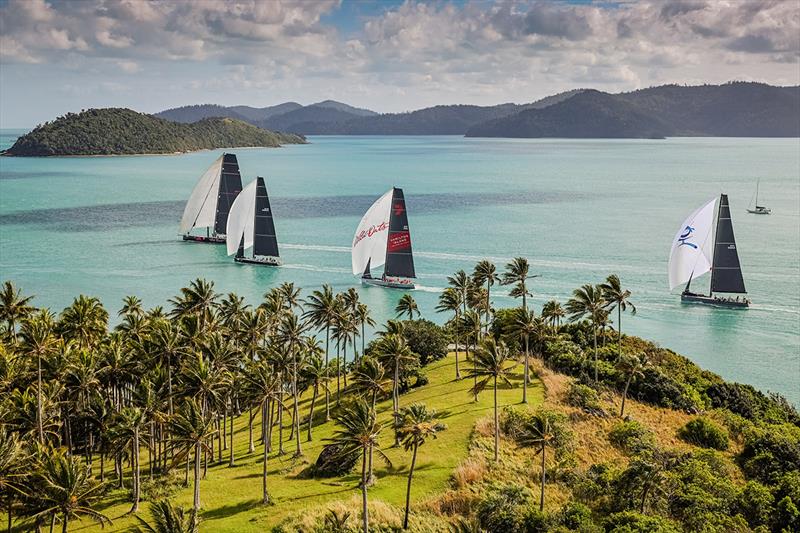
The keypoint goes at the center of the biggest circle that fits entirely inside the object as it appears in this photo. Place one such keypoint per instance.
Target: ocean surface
(577, 209)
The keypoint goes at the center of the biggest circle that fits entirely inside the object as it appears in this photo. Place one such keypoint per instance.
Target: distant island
(736, 109)
(119, 131)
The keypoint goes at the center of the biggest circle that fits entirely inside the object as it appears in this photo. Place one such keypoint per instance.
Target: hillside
(193, 113)
(254, 114)
(730, 110)
(588, 114)
(117, 131)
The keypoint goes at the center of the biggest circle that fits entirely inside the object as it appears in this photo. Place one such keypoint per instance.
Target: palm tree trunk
(64, 523)
(396, 399)
(298, 450)
(625, 395)
(136, 472)
(619, 332)
(525, 377)
(231, 461)
(541, 496)
(251, 447)
(280, 427)
(496, 425)
(458, 373)
(265, 493)
(196, 501)
(364, 511)
(408, 487)
(327, 377)
(311, 412)
(594, 337)
(39, 425)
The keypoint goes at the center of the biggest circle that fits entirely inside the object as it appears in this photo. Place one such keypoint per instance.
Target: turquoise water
(578, 209)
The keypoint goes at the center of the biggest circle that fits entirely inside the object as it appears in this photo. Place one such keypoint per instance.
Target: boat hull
(209, 240)
(760, 211)
(691, 298)
(390, 284)
(263, 261)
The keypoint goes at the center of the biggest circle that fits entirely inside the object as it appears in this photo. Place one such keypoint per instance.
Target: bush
(332, 462)
(755, 503)
(503, 509)
(771, 451)
(503, 326)
(584, 397)
(575, 516)
(703, 432)
(752, 404)
(633, 522)
(426, 339)
(631, 437)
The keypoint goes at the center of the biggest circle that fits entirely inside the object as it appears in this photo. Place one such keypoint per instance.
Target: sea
(579, 210)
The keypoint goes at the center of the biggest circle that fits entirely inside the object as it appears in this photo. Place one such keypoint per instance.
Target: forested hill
(730, 110)
(118, 131)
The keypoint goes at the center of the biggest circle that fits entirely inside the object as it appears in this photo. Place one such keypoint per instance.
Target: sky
(58, 56)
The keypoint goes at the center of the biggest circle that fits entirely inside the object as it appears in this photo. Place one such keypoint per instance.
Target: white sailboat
(250, 225)
(694, 252)
(382, 238)
(758, 209)
(210, 201)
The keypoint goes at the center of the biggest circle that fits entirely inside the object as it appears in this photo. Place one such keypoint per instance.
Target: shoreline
(149, 154)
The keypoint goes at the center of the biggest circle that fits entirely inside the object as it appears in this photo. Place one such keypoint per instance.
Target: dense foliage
(117, 131)
(704, 432)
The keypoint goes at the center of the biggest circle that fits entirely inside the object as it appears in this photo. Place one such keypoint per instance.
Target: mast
(265, 242)
(230, 185)
(726, 270)
(399, 258)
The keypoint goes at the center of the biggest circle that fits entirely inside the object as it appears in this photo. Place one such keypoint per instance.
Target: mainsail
(726, 273)
(265, 243)
(689, 257)
(240, 227)
(369, 241)
(200, 210)
(229, 186)
(399, 259)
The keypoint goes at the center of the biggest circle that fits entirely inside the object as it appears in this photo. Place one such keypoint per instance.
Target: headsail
(230, 184)
(240, 226)
(200, 210)
(689, 257)
(369, 241)
(726, 274)
(399, 259)
(265, 243)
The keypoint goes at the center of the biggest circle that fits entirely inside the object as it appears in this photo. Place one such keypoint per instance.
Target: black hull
(200, 238)
(690, 298)
(409, 286)
(262, 261)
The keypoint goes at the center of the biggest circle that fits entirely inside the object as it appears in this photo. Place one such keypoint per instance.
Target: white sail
(369, 241)
(241, 219)
(690, 256)
(201, 209)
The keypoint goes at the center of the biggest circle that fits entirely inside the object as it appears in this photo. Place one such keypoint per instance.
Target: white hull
(404, 284)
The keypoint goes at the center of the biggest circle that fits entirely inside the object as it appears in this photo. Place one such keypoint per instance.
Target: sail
(201, 208)
(264, 240)
(369, 241)
(690, 255)
(230, 184)
(726, 273)
(239, 229)
(399, 259)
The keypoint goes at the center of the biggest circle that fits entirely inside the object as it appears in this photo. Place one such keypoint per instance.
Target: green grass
(231, 496)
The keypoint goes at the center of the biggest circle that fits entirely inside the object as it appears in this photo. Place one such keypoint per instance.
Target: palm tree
(192, 429)
(491, 363)
(290, 294)
(553, 313)
(13, 462)
(450, 301)
(541, 431)
(291, 332)
(168, 350)
(265, 387)
(471, 325)
(485, 272)
(370, 380)
(126, 431)
(322, 307)
(359, 433)
(313, 373)
(85, 321)
(526, 326)
(38, 340)
(363, 319)
(168, 519)
(417, 424)
(393, 350)
(631, 366)
(131, 305)
(67, 489)
(407, 306)
(517, 271)
(587, 302)
(199, 299)
(616, 296)
(13, 307)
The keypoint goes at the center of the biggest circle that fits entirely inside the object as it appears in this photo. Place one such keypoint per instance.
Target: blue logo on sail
(684, 237)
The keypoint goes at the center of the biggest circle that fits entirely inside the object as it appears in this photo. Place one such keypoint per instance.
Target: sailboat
(758, 209)
(250, 225)
(382, 238)
(211, 199)
(694, 253)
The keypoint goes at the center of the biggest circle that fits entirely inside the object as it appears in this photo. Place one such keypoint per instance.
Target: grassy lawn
(231, 496)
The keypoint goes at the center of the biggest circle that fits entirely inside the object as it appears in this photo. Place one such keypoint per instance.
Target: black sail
(399, 259)
(264, 241)
(230, 185)
(726, 272)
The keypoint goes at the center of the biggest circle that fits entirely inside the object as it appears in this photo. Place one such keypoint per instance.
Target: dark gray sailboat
(211, 201)
(250, 225)
(726, 270)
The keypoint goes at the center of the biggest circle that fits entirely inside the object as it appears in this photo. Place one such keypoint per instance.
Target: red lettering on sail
(398, 241)
(399, 207)
(365, 233)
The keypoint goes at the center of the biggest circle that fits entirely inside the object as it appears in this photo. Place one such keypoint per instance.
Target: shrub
(333, 462)
(755, 503)
(633, 522)
(503, 509)
(426, 339)
(703, 432)
(575, 516)
(631, 437)
(503, 326)
(752, 404)
(584, 397)
(771, 451)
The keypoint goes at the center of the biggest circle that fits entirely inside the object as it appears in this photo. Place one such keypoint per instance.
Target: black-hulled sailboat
(250, 225)
(690, 259)
(211, 200)
(383, 239)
